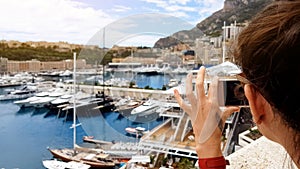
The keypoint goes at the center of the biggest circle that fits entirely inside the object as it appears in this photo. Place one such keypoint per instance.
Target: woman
(268, 51)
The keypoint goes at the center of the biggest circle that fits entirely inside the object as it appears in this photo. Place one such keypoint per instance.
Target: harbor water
(27, 132)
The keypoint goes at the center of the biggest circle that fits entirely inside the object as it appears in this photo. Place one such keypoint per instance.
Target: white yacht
(55, 164)
(137, 131)
(148, 107)
(149, 69)
(173, 83)
(64, 99)
(44, 101)
(180, 70)
(125, 106)
(40, 99)
(23, 93)
(66, 73)
(26, 102)
(166, 69)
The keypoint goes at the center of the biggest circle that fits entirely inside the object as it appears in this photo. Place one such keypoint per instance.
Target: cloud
(173, 8)
(54, 20)
(120, 8)
(210, 5)
(77, 22)
(159, 3)
(182, 2)
(141, 27)
(140, 40)
(189, 9)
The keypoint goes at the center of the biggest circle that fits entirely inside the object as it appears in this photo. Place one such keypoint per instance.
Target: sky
(127, 22)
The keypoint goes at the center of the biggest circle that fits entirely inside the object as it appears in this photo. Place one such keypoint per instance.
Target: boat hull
(68, 155)
(55, 164)
(144, 118)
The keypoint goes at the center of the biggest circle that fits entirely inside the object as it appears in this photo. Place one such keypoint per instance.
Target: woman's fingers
(213, 90)
(200, 84)
(229, 111)
(189, 91)
(187, 108)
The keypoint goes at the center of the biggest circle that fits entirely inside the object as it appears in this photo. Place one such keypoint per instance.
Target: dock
(174, 136)
(118, 92)
(172, 139)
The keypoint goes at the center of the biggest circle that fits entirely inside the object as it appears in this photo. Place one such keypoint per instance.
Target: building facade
(35, 66)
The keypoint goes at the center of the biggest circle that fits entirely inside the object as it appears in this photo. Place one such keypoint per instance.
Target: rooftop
(262, 153)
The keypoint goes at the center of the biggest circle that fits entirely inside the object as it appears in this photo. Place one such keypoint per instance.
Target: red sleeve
(213, 163)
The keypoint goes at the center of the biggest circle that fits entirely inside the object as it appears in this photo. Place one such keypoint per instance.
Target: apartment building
(8, 66)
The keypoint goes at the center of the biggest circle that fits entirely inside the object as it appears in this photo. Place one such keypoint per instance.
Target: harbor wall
(125, 92)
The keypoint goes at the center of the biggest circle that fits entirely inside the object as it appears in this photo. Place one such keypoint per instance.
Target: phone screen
(233, 93)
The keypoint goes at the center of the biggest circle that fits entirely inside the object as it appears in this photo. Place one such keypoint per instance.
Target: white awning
(180, 88)
(223, 69)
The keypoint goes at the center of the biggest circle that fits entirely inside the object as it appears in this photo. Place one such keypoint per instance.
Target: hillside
(240, 11)
(57, 51)
(41, 53)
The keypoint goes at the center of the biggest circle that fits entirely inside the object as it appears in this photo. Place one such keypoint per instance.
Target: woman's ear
(256, 103)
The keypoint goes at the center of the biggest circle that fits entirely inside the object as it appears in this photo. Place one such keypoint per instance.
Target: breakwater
(131, 92)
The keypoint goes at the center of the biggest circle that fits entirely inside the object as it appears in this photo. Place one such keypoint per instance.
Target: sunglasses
(241, 77)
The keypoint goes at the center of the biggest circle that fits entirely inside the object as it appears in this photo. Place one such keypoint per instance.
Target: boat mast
(131, 54)
(234, 34)
(103, 61)
(74, 100)
(224, 42)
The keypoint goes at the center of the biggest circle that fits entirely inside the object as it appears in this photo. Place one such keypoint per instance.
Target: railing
(169, 148)
(228, 146)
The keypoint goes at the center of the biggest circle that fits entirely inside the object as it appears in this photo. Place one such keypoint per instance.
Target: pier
(171, 138)
(116, 92)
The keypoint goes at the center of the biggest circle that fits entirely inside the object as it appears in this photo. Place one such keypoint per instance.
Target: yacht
(45, 101)
(166, 69)
(92, 157)
(17, 94)
(145, 112)
(147, 107)
(149, 70)
(62, 100)
(180, 70)
(56, 164)
(125, 106)
(137, 131)
(66, 73)
(173, 83)
(42, 102)
(26, 102)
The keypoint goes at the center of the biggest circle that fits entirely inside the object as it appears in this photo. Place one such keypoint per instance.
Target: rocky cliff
(240, 11)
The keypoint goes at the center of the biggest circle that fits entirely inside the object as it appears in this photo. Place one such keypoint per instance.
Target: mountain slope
(234, 10)
(240, 11)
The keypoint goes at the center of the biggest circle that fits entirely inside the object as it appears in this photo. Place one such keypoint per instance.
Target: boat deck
(167, 132)
(163, 140)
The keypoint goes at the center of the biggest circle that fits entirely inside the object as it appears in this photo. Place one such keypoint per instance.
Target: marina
(113, 104)
(114, 124)
(42, 125)
(123, 122)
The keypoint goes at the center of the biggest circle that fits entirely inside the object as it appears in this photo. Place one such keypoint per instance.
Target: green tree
(131, 84)
(185, 163)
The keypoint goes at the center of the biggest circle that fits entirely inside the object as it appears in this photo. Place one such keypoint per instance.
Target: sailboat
(56, 164)
(96, 158)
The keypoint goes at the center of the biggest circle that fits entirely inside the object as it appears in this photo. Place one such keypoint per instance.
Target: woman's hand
(207, 118)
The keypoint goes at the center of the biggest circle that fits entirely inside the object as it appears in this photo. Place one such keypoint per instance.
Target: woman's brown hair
(268, 51)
